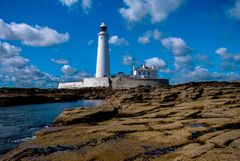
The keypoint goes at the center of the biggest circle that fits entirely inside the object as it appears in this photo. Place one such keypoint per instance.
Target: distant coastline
(21, 96)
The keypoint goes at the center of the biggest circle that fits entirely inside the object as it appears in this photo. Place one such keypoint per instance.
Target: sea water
(20, 123)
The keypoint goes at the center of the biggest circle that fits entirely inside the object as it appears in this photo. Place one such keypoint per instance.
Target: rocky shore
(195, 121)
(19, 96)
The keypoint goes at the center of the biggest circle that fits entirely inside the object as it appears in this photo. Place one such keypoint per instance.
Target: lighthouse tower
(103, 62)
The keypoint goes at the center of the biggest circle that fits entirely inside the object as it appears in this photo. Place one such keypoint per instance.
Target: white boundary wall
(96, 82)
(87, 82)
(70, 85)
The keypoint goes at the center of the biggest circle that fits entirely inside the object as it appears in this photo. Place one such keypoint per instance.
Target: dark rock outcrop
(79, 115)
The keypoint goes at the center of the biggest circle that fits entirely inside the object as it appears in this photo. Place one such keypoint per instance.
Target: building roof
(143, 67)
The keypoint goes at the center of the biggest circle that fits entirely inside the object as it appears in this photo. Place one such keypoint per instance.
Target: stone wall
(115, 82)
(128, 82)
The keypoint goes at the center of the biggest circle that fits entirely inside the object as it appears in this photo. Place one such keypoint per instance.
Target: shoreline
(193, 121)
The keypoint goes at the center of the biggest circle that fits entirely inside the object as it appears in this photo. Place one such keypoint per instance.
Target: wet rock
(86, 115)
(235, 144)
(170, 97)
(195, 152)
(225, 139)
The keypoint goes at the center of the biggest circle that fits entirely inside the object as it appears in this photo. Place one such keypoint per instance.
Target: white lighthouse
(142, 76)
(103, 62)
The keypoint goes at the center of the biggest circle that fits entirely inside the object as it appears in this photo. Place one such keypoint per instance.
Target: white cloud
(230, 61)
(203, 74)
(7, 50)
(204, 60)
(176, 45)
(86, 5)
(75, 77)
(16, 61)
(67, 69)
(68, 3)
(15, 70)
(165, 70)
(182, 62)
(59, 61)
(236, 57)
(223, 52)
(158, 10)
(90, 42)
(156, 62)
(29, 76)
(228, 66)
(180, 51)
(128, 60)
(146, 37)
(156, 34)
(31, 35)
(115, 40)
(144, 40)
(136, 11)
(234, 12)
(198, 74)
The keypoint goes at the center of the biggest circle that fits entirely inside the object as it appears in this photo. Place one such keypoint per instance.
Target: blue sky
(44, 42)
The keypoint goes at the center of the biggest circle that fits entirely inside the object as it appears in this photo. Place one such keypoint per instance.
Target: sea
(20, 123)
